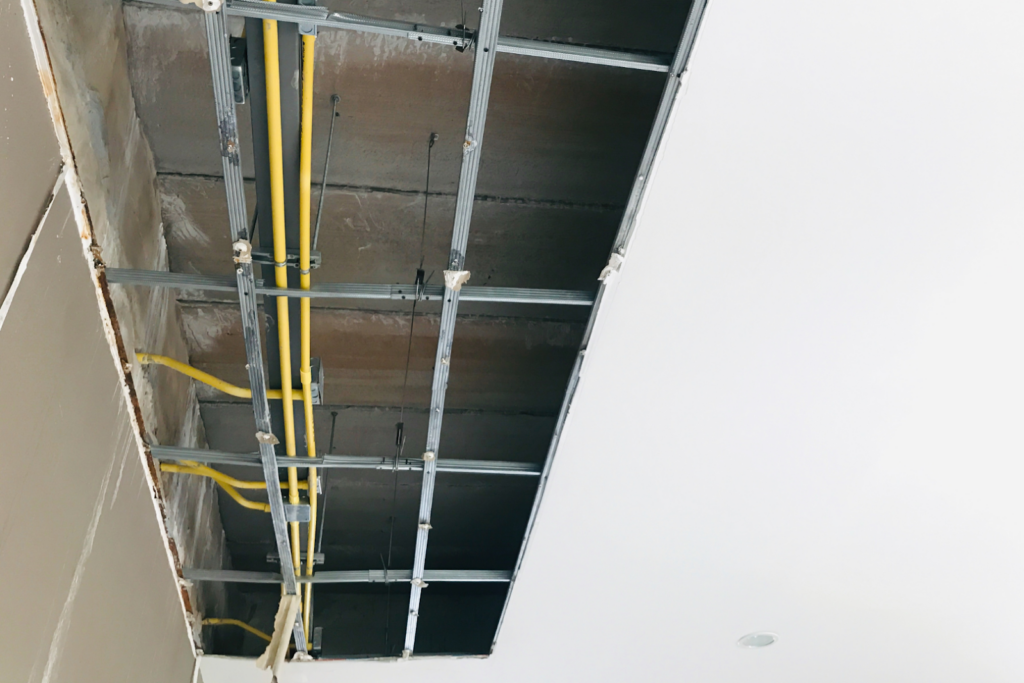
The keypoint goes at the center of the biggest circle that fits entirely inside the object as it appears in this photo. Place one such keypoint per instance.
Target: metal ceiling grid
(487, 43)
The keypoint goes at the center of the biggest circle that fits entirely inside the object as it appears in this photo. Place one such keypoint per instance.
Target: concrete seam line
(19, 273)
(90, 250)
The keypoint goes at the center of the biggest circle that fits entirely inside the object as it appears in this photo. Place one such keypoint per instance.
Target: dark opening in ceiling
(562, 146)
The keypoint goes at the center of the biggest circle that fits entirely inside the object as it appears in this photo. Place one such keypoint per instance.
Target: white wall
(801, 411)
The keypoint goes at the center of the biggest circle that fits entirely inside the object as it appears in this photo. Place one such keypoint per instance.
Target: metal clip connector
(243, 251)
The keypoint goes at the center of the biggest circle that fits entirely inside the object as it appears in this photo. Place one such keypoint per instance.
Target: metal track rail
(220, 67)
(214, 283)
(347, 462)
(359, 576)
(322, 18)
(483, 69)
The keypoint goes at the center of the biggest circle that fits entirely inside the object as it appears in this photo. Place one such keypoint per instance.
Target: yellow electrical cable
(271, 61)
(238, 623)
(305, 371)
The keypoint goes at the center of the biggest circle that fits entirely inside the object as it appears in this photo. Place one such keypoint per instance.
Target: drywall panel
(824, 416)
(88, 593)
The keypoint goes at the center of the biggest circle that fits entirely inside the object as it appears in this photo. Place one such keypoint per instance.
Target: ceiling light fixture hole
(757, 640)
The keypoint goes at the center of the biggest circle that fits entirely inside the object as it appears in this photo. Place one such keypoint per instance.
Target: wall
(86, 54)
(87, 589)
(88, 569)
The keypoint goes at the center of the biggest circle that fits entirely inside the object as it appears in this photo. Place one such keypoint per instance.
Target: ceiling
(563, 143)
(800, 409)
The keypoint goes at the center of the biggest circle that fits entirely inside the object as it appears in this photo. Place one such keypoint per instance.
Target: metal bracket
(266, 258)
(318, 640)
(239, 70)
(318, 558)
(296, 513)
(317, 384)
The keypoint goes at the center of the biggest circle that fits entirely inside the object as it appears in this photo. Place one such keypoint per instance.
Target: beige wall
(86, 591)
(29, 154)
(86, 53)
(86, 588)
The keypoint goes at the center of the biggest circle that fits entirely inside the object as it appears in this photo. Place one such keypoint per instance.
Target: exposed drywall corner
(87, 54)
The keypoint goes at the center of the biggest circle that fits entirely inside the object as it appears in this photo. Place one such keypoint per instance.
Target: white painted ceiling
(802, 411)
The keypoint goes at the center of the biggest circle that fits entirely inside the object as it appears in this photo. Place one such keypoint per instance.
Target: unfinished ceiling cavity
(431, 403)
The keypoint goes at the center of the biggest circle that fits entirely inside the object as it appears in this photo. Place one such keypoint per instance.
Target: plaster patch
(178, 220)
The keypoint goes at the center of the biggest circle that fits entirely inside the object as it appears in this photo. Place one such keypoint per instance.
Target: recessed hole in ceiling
(757, 640)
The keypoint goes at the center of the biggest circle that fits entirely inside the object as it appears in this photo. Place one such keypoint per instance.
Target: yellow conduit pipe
(305, 372)
(239, 624)
(228, 488)
(204, 377)
(220, 477)
(271, 61)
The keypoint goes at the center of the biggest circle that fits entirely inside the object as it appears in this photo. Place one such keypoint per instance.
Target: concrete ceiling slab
(498, 363)
(370, 431)
(556, 130)
(646, 25)
(374, 236)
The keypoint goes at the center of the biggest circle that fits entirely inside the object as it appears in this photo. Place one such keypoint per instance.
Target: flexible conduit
(305, 372)
(271, 60)
(239, 624)
(204, 377)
